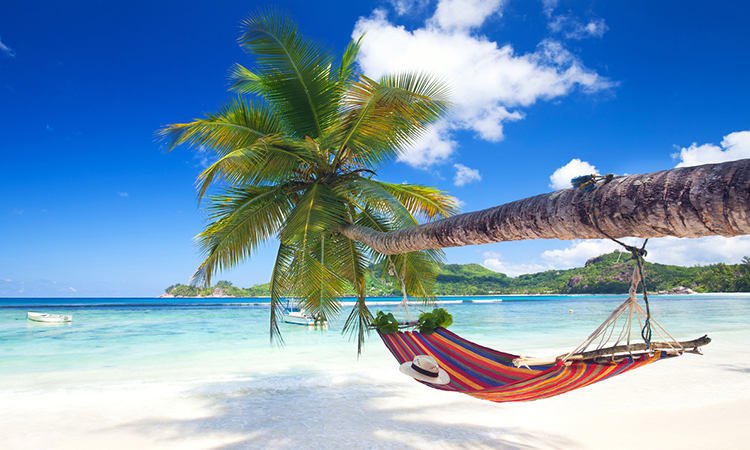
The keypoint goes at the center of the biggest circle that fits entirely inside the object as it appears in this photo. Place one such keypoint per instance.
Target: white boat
(52, 318)
(298, 316)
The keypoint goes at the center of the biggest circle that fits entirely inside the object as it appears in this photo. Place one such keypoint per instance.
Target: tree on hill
(297, 158)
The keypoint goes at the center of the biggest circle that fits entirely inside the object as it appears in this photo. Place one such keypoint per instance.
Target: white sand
(692, 402)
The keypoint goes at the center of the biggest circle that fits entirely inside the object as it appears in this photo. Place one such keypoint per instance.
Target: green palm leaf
(422, 201)
(242, 220)
(237, 124)
(294, 73)
(319, 211)
(383, 118)
(280, 286)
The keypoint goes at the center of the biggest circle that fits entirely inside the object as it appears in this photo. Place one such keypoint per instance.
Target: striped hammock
(491, 375)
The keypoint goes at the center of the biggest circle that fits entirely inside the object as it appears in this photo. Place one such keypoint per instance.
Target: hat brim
(442, 378)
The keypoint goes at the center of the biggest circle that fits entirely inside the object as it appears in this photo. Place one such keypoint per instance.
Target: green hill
(605, 274)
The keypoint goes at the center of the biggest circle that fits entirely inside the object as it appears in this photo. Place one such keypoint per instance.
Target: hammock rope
(408, 318)
(503, 377)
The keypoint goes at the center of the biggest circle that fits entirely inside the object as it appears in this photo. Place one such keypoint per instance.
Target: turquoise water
(178, 373)
(154, 338)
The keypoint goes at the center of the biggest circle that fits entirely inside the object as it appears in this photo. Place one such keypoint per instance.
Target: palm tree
(707, 200)
(297, 160)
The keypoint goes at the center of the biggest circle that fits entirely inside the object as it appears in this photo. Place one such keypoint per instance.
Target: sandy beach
(204, 378)
(691, 402)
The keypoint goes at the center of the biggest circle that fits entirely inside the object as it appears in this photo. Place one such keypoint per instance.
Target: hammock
(502, 377)
(492, 375)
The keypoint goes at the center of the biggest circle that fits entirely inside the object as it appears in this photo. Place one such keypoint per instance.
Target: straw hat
(425, 368)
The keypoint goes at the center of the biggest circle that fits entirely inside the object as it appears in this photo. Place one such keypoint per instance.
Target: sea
(161, 366)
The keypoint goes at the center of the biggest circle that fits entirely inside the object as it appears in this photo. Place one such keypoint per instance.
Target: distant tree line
(605, 274)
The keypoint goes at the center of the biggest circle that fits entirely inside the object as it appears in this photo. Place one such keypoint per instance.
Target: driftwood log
(687, 345)
(708, 200)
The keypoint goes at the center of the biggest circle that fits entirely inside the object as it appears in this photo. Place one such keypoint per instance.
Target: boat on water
(51, 318)
(294, 314)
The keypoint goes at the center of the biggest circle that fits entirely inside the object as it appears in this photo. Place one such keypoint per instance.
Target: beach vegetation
(604, 274)
(386, 323)
(296, 158)
(429, 321)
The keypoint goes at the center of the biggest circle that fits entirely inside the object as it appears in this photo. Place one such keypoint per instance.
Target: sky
(91, 206)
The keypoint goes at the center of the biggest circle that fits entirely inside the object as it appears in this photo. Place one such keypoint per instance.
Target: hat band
(424, 372)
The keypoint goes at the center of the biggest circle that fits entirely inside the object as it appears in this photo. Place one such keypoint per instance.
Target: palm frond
(269, 160)
(319, 211)
(243, 219)
(294, 72)
(346, 68)
(417, 270)
(422, 201)
(237, 124)
(367, 194)
(319, 288)
(352, 264)
(244, 80)
(383, 118)
(280, 287)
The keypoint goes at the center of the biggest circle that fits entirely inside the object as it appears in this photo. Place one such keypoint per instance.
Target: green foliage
(386, 323)
(605, 274)
(182, 290)
(296, 160)
(439, 317)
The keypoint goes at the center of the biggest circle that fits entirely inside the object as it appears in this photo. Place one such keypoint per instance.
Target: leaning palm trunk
(708, 200)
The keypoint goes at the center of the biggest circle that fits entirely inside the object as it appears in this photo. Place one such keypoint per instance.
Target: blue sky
(543, 90)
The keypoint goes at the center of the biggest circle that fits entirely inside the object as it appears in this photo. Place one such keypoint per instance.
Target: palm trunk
(708, 200)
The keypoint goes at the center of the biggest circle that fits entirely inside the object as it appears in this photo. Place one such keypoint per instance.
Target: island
(605, 274)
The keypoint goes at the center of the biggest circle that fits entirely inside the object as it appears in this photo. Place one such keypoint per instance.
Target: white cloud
(489, 83)
(465, 14)
(666, 250)
(560, 179)
(513, 270)
(435, 147)
(123, 194)
(406, 6)
(465, 175)
(579, 252)
(548, 6)
(7, 50)
(734, 146)
(572, 28)
(204, 157)
(701, 251)
(493, 262)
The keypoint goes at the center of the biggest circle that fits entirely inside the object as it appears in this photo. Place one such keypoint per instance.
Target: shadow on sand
(321, 411)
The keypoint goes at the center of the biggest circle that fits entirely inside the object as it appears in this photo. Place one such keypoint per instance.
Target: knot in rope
(588, 183)
(635, 252)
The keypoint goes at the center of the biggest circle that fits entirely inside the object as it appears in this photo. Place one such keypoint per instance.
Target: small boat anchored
(50, 318)
(294, 314)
